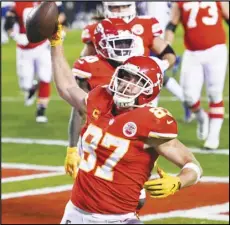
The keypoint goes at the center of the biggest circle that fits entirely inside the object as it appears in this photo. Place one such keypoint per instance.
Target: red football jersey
(147, 28)
(202, 22)
(22, 9)
(95, 69)
(116, 162)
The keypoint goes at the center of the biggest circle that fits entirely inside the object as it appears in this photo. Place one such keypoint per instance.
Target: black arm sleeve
(168, 49)
(171, 27)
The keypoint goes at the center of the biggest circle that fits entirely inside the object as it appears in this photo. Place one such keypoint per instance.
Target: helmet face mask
(127, 10)
(115, 43)
(132, 87)
(127, 84)
(118, 48)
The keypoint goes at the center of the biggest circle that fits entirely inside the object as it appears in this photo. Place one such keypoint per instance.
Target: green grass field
(18, 121)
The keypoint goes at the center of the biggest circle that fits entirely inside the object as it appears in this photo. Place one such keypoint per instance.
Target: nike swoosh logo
(169, 121)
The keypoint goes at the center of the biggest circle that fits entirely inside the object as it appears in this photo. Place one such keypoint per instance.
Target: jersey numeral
(160, 112)
(88, 59)
(90, 141)
(194, 8)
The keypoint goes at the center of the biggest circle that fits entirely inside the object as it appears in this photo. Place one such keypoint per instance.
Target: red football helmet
(136, 82)
(114, 40)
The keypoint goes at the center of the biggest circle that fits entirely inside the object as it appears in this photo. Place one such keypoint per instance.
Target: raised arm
(69, 90)
(65, 83)
(172, 25)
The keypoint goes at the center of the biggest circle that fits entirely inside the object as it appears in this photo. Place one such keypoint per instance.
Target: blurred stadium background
(34, 186)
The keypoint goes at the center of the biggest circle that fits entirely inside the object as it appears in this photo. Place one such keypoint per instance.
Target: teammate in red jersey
(94, 70)
(146, 28)
(204, 61)
(120, 142)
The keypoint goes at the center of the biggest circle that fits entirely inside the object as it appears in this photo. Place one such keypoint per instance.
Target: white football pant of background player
(161, 11)
(209, 67)
(29, 60)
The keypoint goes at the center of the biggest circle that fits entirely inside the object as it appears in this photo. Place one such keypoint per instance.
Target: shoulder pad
(158, 123)
(82, 67)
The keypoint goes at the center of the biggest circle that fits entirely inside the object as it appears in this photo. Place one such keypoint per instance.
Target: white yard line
(210, 179)
(206, 212)
(34, 141)
(218, 152)
(65, 143)
(23, 166)
(30, 177)
(56, 98)
(41, 191)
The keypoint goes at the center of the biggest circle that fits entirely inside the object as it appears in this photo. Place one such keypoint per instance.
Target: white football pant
(207, 66)
(31, 62)
(74, 215)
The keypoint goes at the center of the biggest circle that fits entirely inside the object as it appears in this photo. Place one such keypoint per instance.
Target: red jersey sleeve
(81, 69)
(156, 28)
(158, 123)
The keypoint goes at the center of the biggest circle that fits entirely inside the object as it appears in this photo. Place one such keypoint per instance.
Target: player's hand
(57, 38)
(72, 161)
(164, 186)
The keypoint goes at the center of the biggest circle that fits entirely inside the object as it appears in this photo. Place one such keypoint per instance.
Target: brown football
(41, 22)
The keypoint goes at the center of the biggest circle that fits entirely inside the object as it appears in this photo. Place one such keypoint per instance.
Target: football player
(31, 59)
(204, 61)
(121, 140)
(114, 44)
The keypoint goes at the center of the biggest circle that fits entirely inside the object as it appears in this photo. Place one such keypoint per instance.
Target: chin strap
(122, 104)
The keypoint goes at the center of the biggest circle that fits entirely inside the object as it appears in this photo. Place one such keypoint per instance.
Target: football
(41, 22)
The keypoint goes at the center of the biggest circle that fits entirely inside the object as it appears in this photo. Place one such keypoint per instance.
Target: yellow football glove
(72, 161)
(57, 38)
(164, 186)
